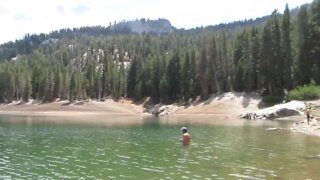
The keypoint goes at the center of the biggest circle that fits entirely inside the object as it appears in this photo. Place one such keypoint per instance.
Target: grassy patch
(306, 92)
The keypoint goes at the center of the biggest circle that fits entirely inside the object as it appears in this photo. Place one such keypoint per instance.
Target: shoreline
(303, 127)
(62, 113)
(226, 107)
(226, 104)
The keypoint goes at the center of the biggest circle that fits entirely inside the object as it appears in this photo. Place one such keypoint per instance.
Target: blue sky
(19, 17)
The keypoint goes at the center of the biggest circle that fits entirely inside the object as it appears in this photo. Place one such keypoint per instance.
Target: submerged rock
(276, 129)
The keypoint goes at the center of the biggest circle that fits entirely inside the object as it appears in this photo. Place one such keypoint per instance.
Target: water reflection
(124, 120)
(186, 151)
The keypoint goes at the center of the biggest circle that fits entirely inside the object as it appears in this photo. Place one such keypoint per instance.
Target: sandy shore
(226, 108)
(65, 108)
(226, 105)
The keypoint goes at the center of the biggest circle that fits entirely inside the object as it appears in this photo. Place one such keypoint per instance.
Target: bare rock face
(285, 112)
(162, 110)
(281, 110)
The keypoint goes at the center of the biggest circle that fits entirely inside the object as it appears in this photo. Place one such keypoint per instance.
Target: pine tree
(240, 61)
(49, 86)
(202, 72)
(185, 78)
(65, 89)
(173, 75)
(28, 89)
(97, 83)
(164, 89)
(104, 82)
(8, 83)
(315, 40)
(224, 67)
(72, 95)
(132, 78)
(91, 76)
(122, 80)
(255, 57)
(194, 86)
(286, 49)
(156, 77)
(304, 63)
(56, 84)
(4, 85)
(271, 61)
(278, 63)
(212, 67)
(266, 65)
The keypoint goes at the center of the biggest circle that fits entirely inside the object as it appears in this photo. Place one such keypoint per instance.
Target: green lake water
(33, 148)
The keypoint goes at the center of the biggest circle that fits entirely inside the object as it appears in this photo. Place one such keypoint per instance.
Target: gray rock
(275, 129)
(162, 110)
(278, 111)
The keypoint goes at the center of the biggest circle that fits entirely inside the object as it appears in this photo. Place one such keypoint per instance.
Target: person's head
(184, 129)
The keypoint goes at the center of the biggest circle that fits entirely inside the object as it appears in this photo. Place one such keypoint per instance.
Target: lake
(47, 148)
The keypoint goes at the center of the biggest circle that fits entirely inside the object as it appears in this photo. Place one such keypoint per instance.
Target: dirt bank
(226, 104)
(65, 108)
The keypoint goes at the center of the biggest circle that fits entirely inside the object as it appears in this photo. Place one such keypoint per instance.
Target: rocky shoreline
(313, 128)
(293, 108)
(302, 127)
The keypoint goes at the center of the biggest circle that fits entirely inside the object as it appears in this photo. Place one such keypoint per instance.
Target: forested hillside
(150, 58)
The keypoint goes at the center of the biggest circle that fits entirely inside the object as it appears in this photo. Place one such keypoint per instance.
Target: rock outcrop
(162, 110)
(281, 110)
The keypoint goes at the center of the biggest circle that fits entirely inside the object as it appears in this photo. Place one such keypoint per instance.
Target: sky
(19, 17)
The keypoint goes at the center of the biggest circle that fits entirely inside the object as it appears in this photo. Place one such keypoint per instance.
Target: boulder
(162, 110)
(166, 110)
(281, 110)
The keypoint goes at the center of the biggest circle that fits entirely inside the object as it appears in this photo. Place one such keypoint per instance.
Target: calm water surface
(34, 148)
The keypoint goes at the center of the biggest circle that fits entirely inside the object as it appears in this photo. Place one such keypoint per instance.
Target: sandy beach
(225, 105)
(65, 108)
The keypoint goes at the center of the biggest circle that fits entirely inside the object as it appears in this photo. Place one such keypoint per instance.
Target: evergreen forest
(150, 58)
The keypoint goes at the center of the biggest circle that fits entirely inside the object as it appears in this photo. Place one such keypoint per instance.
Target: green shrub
(306, 92)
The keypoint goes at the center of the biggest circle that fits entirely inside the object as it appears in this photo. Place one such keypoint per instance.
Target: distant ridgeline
(151, 58)
(161, 26)
(32, 42)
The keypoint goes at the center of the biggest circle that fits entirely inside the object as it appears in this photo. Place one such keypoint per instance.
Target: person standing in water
(185, 136)
(308, 115)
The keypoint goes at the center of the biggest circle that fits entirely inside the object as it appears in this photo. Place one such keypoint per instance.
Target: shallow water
(36, 147)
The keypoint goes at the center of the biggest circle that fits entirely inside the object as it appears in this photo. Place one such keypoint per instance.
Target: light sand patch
(226, 104)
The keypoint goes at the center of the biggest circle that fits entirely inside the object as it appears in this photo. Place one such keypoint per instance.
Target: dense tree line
(279, 53)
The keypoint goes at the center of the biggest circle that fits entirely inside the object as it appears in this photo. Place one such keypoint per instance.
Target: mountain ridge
(160, 26)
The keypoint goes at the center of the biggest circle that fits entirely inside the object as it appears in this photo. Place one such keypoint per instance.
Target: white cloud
(60, 9)
(35, 16)
(81, 8)
(20, 17)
